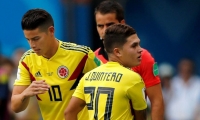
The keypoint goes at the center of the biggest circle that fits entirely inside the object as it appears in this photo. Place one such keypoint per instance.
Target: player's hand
(36, 87)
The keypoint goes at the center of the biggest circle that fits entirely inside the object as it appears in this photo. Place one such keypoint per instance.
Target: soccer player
(110, 12)
(51, 70)
(109, 89)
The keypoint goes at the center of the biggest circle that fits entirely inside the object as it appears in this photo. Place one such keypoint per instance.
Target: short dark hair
(35, 18)
(109, 6)
(116, 36)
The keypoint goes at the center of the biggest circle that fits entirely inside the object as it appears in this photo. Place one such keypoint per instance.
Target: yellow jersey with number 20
(109, 90)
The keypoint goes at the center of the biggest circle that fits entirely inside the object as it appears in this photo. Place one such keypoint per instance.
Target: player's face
(105, 20)
(131, 52)
(38, 40)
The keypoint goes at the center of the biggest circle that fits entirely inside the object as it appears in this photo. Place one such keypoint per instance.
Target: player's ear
(117, 52)
(51, 30)
(123, 21)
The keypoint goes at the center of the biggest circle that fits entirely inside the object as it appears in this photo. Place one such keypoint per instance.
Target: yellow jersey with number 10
(62, 72)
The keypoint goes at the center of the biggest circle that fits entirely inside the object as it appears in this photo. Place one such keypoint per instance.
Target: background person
(110, 12)
(183, 103)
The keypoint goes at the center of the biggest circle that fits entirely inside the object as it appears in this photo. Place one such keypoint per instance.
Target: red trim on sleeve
(27, 68)
(31, 76)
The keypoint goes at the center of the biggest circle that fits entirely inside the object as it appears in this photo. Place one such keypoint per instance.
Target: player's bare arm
(21, 94)
(157, 103)
(74, 107)
(140, 114)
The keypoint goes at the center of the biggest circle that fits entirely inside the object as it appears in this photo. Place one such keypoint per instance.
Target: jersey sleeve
(79, 92)
(23, 75)
(137, 96)
(148, 69)
(91, 62)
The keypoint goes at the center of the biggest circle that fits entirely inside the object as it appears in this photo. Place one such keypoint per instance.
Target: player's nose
(32, 44)
(140, 49)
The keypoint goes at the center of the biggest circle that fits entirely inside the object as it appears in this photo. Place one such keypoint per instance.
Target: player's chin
(38, 53)
(137, 62)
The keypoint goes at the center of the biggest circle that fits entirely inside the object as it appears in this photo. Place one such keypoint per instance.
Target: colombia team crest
(63, 72)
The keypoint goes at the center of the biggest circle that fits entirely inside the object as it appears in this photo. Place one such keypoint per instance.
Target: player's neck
(113, 58)
(52, 49)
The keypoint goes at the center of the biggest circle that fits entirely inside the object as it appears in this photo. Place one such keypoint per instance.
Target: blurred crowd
(180, 85)
(8, 73)
(181, 90)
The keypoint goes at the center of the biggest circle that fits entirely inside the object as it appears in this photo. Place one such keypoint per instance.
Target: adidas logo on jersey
(38, 74)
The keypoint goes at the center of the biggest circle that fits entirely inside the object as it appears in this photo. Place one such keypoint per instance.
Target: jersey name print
(104, 76)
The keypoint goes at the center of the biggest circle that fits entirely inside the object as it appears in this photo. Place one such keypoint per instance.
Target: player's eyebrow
(107, 24)
(111, 23)
(135, 43)
(33, 38)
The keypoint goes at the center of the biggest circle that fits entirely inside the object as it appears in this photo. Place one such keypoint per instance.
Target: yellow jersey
(109, 91)
(62, 72)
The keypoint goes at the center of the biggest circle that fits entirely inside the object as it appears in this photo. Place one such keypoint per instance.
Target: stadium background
(169, 29)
